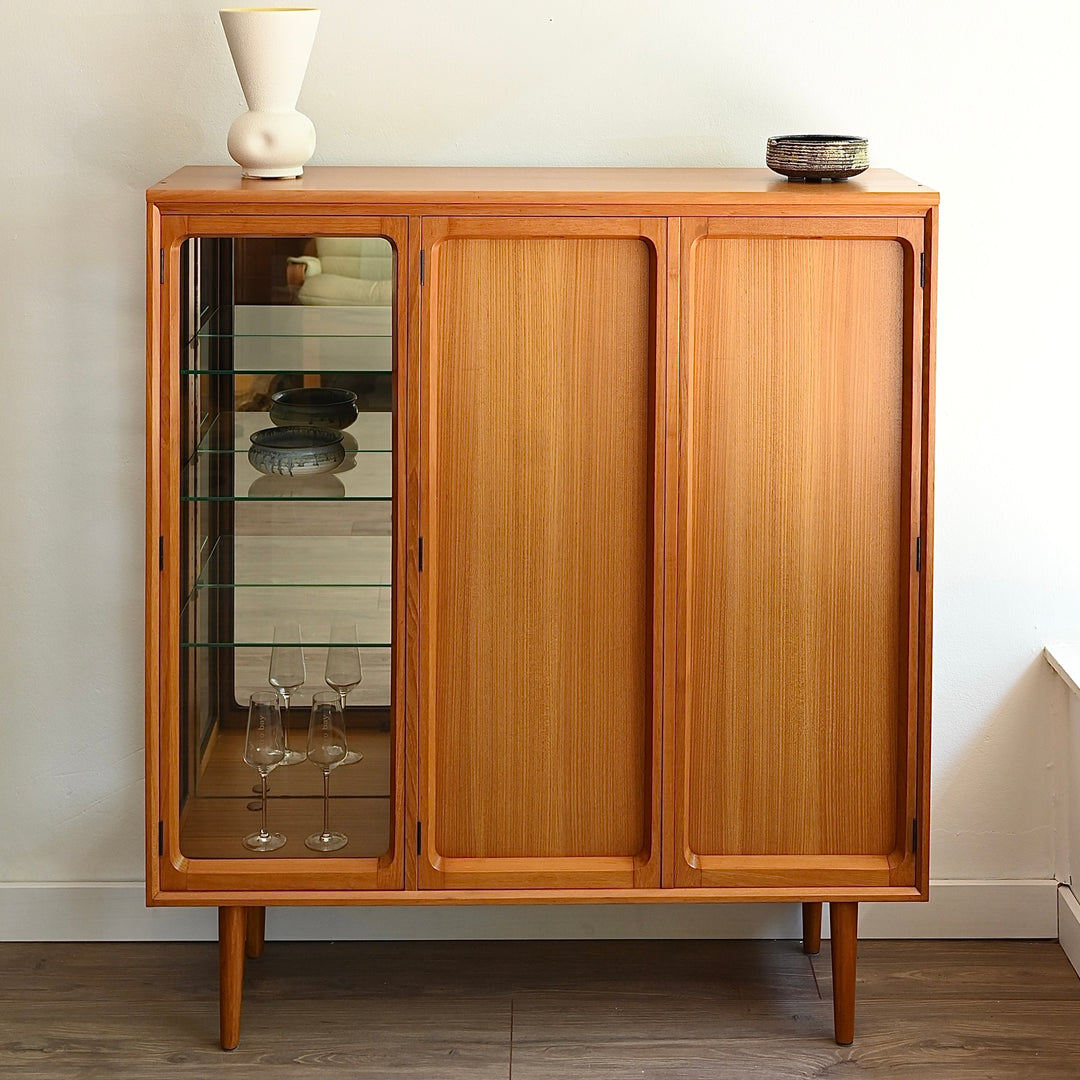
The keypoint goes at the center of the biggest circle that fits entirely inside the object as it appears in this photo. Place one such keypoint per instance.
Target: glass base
(293, 757)
(351, 758)
(326, 841)
(264, 841)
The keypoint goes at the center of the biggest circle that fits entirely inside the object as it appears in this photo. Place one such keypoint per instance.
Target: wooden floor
(532, 1010)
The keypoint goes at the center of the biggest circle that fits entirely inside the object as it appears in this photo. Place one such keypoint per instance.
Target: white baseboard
(97, 911)
(1069, 925)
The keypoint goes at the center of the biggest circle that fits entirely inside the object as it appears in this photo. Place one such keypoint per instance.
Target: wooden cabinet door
(542, 390)
(797, 726)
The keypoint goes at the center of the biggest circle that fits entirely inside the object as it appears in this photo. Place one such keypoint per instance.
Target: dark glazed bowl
(296, 451)
(817, 157)
(314, 406)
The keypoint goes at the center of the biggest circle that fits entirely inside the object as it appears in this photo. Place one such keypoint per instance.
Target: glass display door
(285, 428)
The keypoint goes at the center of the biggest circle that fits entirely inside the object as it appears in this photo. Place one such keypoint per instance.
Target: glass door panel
(292, 551)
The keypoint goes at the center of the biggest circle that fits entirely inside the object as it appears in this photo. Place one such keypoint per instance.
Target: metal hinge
(160, 838)
(922, 269)
(161, 552)
(418, 838)
(918, 554)
(421, 266)
(915, 834)
(161, 266)
(420, 553)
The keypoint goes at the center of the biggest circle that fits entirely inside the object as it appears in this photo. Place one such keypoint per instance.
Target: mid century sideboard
(633, 537)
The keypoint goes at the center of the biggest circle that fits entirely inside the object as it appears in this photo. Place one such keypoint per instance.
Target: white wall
(971, 96)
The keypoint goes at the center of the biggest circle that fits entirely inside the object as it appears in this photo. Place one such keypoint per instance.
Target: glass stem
(326, 802)
(285, 720)
(262, 828)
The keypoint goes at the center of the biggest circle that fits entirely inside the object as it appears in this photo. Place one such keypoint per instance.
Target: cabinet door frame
(171, 875)
(906, 865)
(434, 870)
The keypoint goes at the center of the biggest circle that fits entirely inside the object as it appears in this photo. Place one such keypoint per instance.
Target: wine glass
(287, 674)
(264, 749)
(326, 747)
(343, 672)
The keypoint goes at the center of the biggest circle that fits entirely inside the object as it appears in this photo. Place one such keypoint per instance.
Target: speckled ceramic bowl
(314, 406)
(296, 451)
(817, 157)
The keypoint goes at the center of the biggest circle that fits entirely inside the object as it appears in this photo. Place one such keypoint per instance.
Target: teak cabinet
(633, 537)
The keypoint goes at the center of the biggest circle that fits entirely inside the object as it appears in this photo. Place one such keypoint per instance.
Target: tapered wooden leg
(845, 933)
(256, 931)
(811, 929)
(232, 932)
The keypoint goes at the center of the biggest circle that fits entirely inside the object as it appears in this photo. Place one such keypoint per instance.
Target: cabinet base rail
(242, 934)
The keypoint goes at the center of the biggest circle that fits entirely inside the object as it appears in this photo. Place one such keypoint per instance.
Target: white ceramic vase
(270, 48)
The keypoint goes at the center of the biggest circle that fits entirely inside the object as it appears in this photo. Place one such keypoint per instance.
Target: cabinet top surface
(204, 186)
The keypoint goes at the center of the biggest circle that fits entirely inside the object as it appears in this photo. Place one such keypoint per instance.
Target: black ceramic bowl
(314, 406)
(817, 157)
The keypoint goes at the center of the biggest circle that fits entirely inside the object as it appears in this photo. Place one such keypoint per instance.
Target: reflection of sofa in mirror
(317, 272)
(344, 271)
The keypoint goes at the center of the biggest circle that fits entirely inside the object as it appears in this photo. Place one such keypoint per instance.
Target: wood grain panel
(235, 881)
(152, 613)
(795, 629)
(408, 511)
(927, 372)
(543, 541)
(333, 190)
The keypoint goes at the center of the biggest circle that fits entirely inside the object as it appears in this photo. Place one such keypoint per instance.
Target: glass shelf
(227, 777)
(296, 320)
(363, 475)
(289, 518)
(248, 667)
(282, 561)
(266, 339)
(256, 609)
(230, 433)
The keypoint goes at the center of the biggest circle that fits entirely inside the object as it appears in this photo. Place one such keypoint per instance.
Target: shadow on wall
(992, 795)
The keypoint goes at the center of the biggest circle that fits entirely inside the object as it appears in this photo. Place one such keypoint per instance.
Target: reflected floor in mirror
(226, 808)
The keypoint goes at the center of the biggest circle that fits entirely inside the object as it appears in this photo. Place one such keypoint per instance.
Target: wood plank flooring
(540, 1010)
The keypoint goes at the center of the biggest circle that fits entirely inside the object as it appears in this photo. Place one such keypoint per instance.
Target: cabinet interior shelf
(294, 320)
(316, 639)
(365, 474)
(245, 666)
(358, 478)
(257, 609)
(230, 433)
(262, 339)
(287, 489)
(239, 562)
